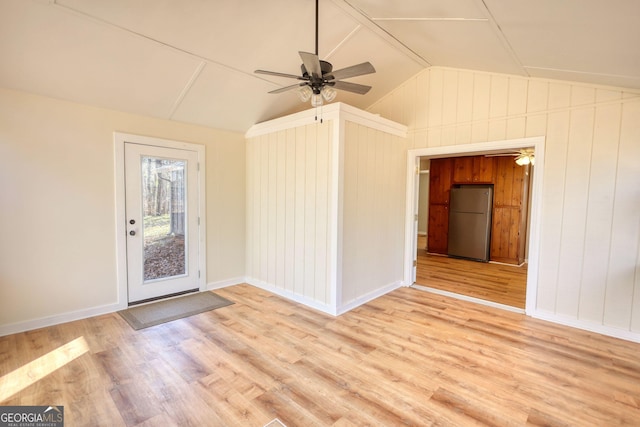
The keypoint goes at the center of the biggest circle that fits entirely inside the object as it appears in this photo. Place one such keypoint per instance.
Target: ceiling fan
(523, 156)
(319, 81)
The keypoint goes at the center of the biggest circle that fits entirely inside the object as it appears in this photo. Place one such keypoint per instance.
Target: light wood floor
(407, 358)
(503, 284)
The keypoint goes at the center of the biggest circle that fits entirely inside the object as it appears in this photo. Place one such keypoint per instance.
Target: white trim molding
(334, 111)
(57, 319)
(119, 140)
(475, 149)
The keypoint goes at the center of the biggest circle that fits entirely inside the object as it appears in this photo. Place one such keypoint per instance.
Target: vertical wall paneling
(553, 199)
(272, 202)
(250, 203)
(310, 210)
(435, 97)
(623, 278)
(537, 96)
(581, 95)
(576, 193)
(290, 210)
(480, 113)
(499, 96)
(450, 97)
(264, 206)
(318, 190)
(281, 200)
(352, 171)
(421, 99)
(336, 207)
(323, 174)
(602, 183)
(588, 249)
(535, 125)
(300, 220)
(559, 96)
(606, 95)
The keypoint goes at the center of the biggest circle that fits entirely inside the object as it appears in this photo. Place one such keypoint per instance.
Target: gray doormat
(143, 316)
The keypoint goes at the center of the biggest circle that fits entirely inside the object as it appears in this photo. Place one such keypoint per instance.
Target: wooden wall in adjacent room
(510, 181)
(589, 243)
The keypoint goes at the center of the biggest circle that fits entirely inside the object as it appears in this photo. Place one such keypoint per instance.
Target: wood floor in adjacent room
(499, 283)
(407, 358)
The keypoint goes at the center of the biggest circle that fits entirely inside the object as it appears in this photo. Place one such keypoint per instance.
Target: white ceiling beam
(377, 30)
(502, 37)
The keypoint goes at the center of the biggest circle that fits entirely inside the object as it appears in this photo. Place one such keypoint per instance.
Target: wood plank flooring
(503, 284)
(407, 358)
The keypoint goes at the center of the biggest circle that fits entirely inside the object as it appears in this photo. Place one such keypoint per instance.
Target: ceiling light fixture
(304, 93)
(525, 159)
(319, 81)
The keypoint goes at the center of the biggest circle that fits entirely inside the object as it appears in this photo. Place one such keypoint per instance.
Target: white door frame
(119, 140)
(474, 149)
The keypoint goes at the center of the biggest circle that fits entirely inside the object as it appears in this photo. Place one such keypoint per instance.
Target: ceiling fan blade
(351, 87)
(273, 73)
(353, 71)
(311, 63)
(286, 88)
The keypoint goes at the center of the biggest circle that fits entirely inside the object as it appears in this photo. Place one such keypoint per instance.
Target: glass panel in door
(163, 204)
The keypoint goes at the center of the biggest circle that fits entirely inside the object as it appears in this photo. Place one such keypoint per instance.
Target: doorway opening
(436, 271)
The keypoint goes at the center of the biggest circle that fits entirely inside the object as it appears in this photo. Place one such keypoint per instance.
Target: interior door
(162, 221)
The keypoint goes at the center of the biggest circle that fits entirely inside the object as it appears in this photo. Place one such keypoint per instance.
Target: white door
(161, 221)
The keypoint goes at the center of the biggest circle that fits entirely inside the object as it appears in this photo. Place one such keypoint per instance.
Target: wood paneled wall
(325, 207)
(373, 213)
(288, 210)
(510, 186)
(588, 273)
(508, 230)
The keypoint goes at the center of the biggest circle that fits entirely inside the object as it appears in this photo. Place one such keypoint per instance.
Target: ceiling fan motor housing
(316, 83)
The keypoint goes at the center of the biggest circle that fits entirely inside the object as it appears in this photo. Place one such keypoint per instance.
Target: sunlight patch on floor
(39, 368)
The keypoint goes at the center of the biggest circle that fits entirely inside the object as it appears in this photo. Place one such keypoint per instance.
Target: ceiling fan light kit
(526, 159)
(523, 157)
(318, 80)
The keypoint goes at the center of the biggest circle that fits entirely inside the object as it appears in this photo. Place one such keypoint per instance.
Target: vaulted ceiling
(193, 60)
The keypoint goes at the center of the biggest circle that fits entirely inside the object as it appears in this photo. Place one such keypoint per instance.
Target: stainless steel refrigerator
(470, 222)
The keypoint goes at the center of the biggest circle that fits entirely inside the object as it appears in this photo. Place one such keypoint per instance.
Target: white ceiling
(193, 60)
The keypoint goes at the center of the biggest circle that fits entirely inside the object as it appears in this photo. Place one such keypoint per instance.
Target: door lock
(132, 233)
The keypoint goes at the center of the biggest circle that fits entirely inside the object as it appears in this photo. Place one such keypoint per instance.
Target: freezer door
(470, 223)
(467, 199)
(468, 237)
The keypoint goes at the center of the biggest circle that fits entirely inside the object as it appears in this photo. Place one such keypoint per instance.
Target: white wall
(57, 211)
(373, 212)
(325, 207)
(590, 231)
(288, 205)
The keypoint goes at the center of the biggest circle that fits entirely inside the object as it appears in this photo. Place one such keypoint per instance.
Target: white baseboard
(587, 326)
(325, 308)
(57, 319)
(368, 297)
(226, 283)
(309, 302)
